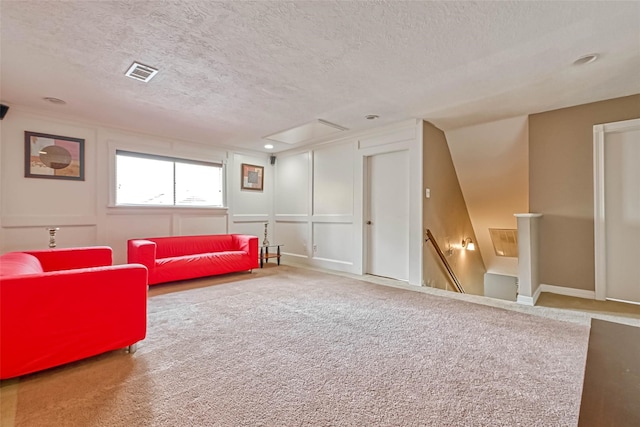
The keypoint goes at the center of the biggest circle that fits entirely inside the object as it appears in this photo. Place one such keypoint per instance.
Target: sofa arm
(57, 317)
(247, 243)
(73, 258)
(140, 251)
(66, 284)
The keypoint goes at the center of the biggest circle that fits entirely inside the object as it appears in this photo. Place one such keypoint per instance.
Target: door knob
(368, 222)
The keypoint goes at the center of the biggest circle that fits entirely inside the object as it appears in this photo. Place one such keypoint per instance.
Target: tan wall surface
(561, 186)
(493, 156)
(445, 214)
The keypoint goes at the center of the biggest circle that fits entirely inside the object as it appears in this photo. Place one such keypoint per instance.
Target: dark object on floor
(611, 391)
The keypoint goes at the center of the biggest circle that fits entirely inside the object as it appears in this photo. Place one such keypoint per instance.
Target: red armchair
(63, 305)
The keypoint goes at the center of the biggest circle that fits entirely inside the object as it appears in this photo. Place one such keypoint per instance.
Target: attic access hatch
(505, 241)
(307, 132)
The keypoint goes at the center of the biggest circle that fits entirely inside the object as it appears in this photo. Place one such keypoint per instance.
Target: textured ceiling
(232, 72)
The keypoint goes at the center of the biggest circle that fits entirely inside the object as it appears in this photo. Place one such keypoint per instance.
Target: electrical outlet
(315, 248)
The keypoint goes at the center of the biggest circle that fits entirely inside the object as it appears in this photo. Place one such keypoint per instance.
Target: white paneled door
(387, 215)
(617, 210)
(622, 215)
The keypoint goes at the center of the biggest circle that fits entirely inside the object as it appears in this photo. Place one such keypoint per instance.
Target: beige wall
(445, 214)
(561, 186)
(492, 164)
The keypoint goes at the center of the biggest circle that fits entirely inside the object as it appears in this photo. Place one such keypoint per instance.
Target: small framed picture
(252, 177)
(53, 156)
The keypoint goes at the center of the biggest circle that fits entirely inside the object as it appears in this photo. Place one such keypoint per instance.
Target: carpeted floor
(292, 347)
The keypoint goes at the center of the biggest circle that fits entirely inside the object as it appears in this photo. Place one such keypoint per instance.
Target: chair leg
(132, 348)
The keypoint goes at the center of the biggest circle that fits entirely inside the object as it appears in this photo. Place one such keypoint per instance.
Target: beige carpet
(292, 347)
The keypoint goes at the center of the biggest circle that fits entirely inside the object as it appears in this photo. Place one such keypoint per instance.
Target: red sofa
(63, 305)
(187, 257)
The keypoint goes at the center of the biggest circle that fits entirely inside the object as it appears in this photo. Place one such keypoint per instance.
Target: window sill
(149, 210)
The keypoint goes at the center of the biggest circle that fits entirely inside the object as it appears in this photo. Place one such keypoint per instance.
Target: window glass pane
(143, 181)
(198, 185)
(146, 179)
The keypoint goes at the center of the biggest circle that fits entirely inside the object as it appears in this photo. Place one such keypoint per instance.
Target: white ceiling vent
(316, 129)
(141, 72)
(505, 241)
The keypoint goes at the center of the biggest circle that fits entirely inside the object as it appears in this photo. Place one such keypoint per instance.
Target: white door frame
(599, 139)
(405, 137)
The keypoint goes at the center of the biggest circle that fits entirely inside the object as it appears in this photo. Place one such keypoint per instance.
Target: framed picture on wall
(252, 177)
(53, 156)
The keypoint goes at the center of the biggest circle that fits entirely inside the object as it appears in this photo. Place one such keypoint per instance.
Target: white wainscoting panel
(124, 227)
(48, 220)
(240, 218)
(294, 236)
(36, 238)
(33, 196)
(253, 229)
(333, 180)
(193, 225)
(248, 202)
(292, 183)
(333, 242)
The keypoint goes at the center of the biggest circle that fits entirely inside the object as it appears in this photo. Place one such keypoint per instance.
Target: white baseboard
(328, 264)
(525, 300)
(570, 292)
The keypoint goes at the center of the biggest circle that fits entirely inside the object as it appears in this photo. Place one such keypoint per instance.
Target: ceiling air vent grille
(141, 72)
(505, 241)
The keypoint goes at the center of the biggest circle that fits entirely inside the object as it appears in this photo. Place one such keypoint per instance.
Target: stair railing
(458, 286)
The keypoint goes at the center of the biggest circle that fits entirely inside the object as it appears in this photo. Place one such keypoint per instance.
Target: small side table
(265, 255)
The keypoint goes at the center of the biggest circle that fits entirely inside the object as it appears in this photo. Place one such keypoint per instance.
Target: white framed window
(153, 180)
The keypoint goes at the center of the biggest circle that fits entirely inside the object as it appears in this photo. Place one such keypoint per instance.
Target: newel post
(528, 249)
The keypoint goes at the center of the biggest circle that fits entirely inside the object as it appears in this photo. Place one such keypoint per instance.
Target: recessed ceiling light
(54, 100)
(268, 146)
(586, 59)
(371, 116)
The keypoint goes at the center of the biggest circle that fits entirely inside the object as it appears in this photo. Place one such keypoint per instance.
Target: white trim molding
(405, 137)
(552, 289)
(598, 213)
(570, 292)
(25, 221)
(600, 242)
(529, 300)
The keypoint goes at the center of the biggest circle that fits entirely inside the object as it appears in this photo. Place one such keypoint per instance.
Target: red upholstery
(187, 257)
(62, 305)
